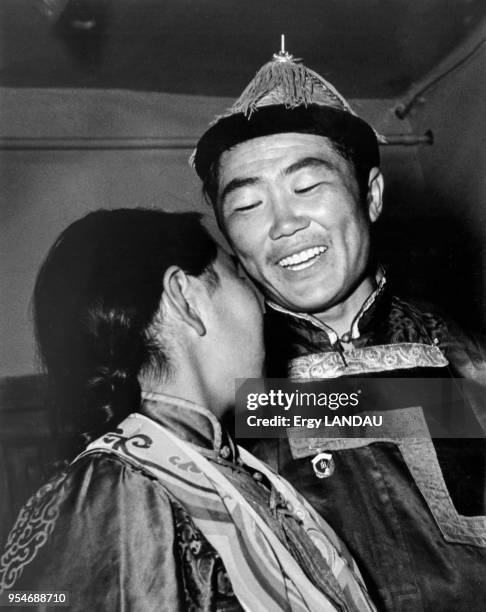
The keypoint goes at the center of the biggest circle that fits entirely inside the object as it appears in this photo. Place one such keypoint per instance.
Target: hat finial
(282, 55)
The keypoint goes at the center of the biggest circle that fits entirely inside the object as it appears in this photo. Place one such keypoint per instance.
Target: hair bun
(112, 394)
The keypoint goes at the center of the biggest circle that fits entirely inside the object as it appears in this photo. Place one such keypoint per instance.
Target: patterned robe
(412, 513)
(114, 537)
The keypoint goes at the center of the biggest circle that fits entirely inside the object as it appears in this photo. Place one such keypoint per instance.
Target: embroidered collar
(190, 422)
(354, 332)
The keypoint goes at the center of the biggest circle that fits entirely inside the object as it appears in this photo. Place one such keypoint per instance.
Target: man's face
(290, 206)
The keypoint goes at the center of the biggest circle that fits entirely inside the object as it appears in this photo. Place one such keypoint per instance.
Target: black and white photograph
(242, 305)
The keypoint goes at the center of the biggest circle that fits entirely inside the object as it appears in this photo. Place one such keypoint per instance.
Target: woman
(143, 325)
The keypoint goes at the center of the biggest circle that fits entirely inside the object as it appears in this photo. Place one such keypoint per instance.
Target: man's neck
(340, 317)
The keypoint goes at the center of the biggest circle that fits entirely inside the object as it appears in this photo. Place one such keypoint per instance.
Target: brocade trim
(203, 572)
(31, 530)
(368, 359)
(454, 526)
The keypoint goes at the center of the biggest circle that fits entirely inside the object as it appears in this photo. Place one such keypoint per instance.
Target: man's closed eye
(308, 188)
(245, 207)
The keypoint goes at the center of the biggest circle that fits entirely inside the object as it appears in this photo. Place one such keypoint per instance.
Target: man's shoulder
(464, 349)
(415, 321)
(426, 312)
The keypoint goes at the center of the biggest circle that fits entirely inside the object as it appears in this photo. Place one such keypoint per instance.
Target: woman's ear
(375, 194)
(181, 293)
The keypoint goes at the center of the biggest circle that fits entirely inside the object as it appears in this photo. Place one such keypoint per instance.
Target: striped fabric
(264, 575)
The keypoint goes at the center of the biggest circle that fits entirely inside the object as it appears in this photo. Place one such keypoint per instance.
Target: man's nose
(288, 218)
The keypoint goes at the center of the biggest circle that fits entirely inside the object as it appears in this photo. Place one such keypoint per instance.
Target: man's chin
(305, 306)
(307, 295)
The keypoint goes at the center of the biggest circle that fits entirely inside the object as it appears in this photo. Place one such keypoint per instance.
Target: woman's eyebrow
(308, 162)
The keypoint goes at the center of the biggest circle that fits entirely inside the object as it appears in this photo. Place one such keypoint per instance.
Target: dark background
(366, 48)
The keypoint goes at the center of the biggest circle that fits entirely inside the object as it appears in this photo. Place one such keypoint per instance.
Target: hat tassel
(285, 76)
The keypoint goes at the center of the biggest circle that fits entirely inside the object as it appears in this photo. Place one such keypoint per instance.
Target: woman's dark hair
(94, 301)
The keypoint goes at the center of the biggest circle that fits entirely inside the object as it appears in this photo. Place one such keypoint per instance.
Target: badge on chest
(323, 465)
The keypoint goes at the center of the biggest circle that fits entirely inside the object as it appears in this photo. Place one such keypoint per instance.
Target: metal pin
(323, 465)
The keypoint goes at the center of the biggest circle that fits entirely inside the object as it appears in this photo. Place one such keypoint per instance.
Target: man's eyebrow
(238, 183)
(308, 162)
(305, 162)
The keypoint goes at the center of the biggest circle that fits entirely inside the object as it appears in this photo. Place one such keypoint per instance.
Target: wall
(43, 191)
(454, 171)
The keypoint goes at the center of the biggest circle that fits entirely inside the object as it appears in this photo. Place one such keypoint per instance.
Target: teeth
(297, 259)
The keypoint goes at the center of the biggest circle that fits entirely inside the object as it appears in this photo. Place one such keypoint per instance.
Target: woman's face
(237, 323)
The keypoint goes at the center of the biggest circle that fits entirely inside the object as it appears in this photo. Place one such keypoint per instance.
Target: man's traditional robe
(412, 512)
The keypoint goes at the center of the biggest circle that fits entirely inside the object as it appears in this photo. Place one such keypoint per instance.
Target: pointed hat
(286, 96)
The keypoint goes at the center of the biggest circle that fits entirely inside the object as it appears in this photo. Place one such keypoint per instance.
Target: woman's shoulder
(89, 506)
(96, 482)
(106, 513)
(99, 471)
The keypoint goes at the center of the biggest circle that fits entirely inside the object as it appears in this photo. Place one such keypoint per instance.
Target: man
(293, 175)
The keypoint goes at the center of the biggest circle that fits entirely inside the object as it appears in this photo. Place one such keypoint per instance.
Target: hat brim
(335, 124)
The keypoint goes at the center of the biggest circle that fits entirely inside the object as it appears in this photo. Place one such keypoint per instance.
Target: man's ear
(375, 194)
(180, 293)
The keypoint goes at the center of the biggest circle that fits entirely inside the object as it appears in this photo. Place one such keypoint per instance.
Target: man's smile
(302, 259)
